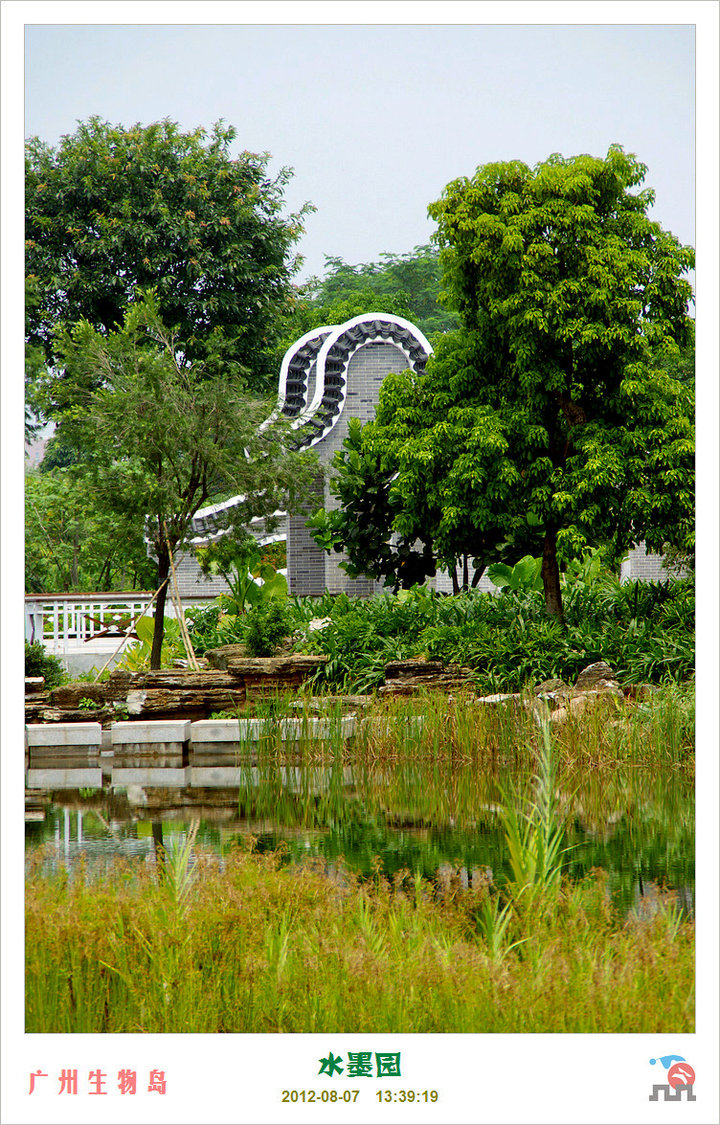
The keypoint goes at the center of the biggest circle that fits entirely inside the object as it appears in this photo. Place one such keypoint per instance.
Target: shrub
(268, 624)
(40, 663)
(645, 631)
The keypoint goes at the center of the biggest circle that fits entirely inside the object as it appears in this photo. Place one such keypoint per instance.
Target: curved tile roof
(324, 353)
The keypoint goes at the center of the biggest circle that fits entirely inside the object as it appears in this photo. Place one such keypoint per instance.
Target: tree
(547, 401)
(363, 526)
(407, 285)
(73, 543)
(111, 210)
(160, 437)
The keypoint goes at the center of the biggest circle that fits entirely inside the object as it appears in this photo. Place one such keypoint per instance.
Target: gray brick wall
(641, 566)
(366, 371)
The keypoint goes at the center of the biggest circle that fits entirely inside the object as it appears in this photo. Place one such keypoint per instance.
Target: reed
(265, 946)
(250, 943)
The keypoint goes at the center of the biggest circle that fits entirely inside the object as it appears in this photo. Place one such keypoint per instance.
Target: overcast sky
(376, 120)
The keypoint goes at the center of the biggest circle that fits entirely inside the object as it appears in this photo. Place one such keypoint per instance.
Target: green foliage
(111, 210)
(645, 631)
(257, 945)
(240, 561)
(160, 436)
(363, 635)
(406, 285)
(136, 657)
(549, 398)
(533, 830)
(269, 624)
(74, 542)
(525, 575)
(38, 662)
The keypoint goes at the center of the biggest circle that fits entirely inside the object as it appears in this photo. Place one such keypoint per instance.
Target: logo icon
(680, 1080)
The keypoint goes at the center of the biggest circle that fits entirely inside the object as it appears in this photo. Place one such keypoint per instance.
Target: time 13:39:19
(407, 1095)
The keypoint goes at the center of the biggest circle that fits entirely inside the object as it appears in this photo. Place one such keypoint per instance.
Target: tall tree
(405, 284)
(113, 209)
(160, 437)
(74, 543)
(548, 399)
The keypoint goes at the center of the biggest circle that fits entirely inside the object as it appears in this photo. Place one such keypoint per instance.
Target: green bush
(645, 631)
(40, 663)
(268, 624)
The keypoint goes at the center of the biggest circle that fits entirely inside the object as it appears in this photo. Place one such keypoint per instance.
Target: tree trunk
(550, 572)
(477, 574)
(466, 580)
(163, 572)
(74, 569)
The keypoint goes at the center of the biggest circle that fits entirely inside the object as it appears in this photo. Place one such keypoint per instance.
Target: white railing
(55, 619)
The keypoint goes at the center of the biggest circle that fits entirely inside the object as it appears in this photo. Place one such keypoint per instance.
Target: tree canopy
(406, 285)
(548, 402)
(159, 437)
(111, 210)
(74, 543)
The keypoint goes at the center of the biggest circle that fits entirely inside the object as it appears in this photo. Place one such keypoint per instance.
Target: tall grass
(247, 942)
(267, 947)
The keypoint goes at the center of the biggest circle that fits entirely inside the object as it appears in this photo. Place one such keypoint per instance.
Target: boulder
(218, 657)
(597, 677)
(577, 704)
(552, 687)
(405, 677)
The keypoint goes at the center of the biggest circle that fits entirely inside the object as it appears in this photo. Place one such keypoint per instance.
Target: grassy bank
(256, 946)
(249, 943)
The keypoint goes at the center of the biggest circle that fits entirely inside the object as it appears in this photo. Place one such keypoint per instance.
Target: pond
(435, 817)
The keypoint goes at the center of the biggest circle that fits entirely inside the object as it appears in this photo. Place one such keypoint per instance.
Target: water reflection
(437, 818)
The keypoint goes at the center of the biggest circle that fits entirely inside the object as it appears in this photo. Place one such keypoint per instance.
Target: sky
(376, 120)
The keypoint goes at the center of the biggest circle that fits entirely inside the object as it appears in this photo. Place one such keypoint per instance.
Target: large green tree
(405, 284)
(75, 543)
(549, 400)
(158, 437)
(113, 209)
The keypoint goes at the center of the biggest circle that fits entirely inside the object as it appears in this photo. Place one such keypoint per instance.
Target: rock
(405, 677)
(317, 624)
(218, 657)
(552, 687)
(594, 675)
(284, 669)
(404, 669)
(507, 697)
(577, 704)
(69, 695)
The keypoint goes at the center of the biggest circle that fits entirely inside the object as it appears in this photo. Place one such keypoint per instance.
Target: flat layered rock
(157, 701)
(68, 696)
(404, 669)
(218, 657)
(120, 683)
(275, 667)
